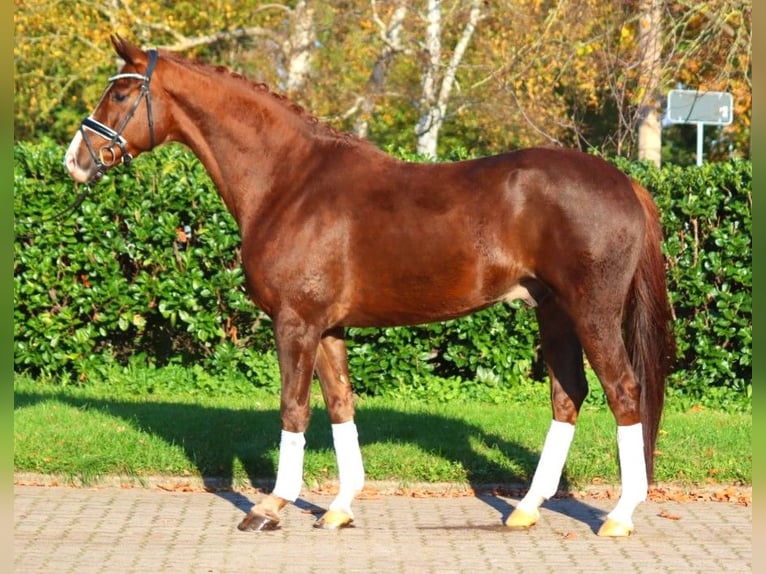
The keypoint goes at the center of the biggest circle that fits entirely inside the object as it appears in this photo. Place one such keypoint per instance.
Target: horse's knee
(340, 409)
(295, 416)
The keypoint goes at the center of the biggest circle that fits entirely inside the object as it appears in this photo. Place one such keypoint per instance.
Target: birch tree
(289, 35)
(298, 48)
(563, 72)
(438, 79)
(390, 34)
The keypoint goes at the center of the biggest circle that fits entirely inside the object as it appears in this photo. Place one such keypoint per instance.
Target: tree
(390, 34)
(437, 85)
(710, 48)
(649, 48)
(299, 46)
(482, 76)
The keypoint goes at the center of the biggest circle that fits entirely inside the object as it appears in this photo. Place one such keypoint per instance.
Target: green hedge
(148, 268)
(707, 216)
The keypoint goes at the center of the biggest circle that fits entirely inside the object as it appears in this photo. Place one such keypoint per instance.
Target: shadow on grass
(217, 439)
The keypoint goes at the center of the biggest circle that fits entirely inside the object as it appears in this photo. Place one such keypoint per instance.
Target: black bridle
(106, 156)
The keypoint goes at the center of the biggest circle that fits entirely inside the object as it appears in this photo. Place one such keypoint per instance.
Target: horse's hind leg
(608, 356)
(332, 368)
(563, 356)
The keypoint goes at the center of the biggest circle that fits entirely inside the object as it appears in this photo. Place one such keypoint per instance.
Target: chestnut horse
(336, 233)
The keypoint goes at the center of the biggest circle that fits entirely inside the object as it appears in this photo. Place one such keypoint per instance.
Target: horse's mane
(263, 88)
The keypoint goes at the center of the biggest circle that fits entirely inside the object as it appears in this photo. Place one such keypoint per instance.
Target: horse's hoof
(259, 522)
(522, 520)
(615, 529)
(333, 520)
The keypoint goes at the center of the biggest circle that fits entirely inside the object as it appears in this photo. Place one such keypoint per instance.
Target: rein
(73, 206)
(106, 156)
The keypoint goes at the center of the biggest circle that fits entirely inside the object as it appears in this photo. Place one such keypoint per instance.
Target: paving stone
(82, 530)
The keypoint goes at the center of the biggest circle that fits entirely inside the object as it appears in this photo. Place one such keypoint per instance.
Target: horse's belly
(389, 306)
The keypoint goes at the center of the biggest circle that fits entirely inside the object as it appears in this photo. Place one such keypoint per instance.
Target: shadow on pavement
(249, 438)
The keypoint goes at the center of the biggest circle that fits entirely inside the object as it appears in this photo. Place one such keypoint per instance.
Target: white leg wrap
(350, 466)
(548, 473)
(290, 468)
(630, 445)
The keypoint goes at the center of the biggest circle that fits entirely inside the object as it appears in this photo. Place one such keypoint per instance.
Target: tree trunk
(392, 44)
(437, 88)
(299, 47)
(649, 41)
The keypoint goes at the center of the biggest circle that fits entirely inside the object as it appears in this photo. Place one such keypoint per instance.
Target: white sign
(695, 107)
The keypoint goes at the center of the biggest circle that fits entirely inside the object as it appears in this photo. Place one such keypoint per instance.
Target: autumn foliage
(533, 73)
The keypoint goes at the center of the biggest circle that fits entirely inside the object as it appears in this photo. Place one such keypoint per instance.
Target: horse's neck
(243, 137)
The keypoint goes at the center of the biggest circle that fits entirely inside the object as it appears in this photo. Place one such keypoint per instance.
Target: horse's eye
(118, 97)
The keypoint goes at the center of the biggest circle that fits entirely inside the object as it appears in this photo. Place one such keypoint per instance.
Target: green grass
(105, 429)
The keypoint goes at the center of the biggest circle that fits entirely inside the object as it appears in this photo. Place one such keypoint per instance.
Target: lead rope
(145, 93)
(116, 137)
(73, 206)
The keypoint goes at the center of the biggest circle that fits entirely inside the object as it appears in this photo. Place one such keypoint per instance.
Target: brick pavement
(145, 530)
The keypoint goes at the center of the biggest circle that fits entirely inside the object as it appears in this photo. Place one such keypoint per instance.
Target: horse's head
(123, 124)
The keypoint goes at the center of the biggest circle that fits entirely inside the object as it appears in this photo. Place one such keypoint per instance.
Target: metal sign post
(700, 108)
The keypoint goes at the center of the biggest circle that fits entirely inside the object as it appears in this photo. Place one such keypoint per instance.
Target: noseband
(105, 157)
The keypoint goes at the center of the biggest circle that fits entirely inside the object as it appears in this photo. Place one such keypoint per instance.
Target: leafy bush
(149, 264)
(707, 215)
(148, 268)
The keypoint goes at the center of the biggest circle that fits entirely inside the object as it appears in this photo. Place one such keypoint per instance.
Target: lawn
(83, 434)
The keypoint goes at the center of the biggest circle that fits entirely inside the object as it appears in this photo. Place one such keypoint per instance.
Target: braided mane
(263, 88)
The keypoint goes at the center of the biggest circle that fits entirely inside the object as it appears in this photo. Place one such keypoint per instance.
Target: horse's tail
(648, 329)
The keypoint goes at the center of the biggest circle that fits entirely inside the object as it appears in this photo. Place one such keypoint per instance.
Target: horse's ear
(127, 51)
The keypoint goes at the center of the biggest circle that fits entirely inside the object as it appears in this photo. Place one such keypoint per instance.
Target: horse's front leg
(332, 367)
(296, 349)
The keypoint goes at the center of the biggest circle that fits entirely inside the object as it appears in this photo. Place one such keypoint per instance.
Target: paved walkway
(146, 531)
